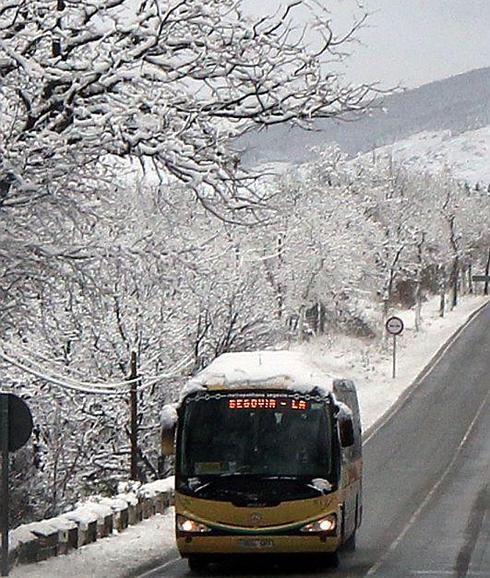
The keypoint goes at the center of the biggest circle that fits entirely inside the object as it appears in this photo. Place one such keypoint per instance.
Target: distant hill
(457, 104)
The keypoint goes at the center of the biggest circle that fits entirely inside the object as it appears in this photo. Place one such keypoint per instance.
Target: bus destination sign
(267, 403)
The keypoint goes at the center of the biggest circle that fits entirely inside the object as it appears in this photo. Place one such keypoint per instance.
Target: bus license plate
(256, 544)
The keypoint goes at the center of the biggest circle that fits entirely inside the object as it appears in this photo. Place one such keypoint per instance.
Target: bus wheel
(197, 563)
(350, 544)
(330, 560)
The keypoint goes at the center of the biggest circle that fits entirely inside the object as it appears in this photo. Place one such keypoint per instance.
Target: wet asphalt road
(426, 480)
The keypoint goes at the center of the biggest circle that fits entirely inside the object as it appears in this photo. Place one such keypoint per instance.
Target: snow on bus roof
(281, 369)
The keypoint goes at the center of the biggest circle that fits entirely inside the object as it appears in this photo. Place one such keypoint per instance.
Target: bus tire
(350, 544)
(330, 560)
(197, 563)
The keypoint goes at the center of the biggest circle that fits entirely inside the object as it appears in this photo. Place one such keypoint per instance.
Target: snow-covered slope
(466, 154)
(447, 119)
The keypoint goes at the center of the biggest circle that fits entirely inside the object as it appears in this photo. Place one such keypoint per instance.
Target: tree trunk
(56, 47)
(418, 285)
(301, 324)
(321, 318)
(463, 280)
(280, 301)
(454, 279)
(134, 471)
(442, 290)
(418, 305)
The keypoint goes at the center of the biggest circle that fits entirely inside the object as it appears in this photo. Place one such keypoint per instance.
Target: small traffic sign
(19, 422)
(15, 430)
(394, 325)
(485, 278)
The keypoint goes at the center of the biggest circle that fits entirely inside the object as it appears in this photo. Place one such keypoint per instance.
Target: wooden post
(134, 474)
(4, 448)
(487, 273)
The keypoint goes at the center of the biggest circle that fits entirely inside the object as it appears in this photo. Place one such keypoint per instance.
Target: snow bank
(158, 487)
(93, 519)
(116, 556)
(467, 154)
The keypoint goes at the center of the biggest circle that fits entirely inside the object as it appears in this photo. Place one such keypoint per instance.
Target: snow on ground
(114, 557)
(468, 154)
(369, 365)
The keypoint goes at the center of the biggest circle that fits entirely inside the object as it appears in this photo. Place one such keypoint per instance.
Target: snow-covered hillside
(467, 154)
(457, 106)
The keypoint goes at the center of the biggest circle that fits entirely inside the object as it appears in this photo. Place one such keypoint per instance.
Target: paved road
(427, 479)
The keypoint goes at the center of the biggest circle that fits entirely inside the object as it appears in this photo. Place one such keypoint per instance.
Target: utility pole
(134, 416)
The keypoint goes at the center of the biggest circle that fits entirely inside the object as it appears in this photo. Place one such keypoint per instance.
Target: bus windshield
(272, 435)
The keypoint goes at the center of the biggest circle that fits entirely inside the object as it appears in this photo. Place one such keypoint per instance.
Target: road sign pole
(394, 326)
(394, 356)
(4, 505)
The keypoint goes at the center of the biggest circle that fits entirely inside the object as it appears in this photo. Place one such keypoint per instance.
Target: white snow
(283, 369)
(159, 486)
(344, 410)
(168, 416)
(112, 557)
(468, 154)
(370, 368)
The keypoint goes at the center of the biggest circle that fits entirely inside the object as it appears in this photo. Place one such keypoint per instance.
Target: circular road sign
(394, 325)
(20, 422)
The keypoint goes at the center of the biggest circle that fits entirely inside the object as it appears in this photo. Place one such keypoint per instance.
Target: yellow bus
(267, 460)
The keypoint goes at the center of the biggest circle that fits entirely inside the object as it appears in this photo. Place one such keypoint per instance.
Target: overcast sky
(410, 42)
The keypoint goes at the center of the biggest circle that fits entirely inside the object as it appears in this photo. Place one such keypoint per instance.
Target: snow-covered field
(370, 366)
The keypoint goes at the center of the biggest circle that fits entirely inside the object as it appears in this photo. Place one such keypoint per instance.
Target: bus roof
(262, 369)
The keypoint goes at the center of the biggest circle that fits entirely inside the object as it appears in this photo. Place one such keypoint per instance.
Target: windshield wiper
(279, 477)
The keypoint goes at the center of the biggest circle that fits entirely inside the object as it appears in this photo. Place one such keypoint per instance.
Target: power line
(58, 382)
(100, 388)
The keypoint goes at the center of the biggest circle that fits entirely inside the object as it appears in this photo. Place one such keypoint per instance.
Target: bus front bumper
(257, 545)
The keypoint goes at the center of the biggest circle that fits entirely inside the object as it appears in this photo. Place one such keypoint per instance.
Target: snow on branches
(172, 81)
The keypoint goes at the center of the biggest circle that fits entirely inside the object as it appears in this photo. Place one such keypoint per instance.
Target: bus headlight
(326, 524)
(190, 526)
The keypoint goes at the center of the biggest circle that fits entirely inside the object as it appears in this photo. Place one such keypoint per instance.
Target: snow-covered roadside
(370, 366)
(150, 541)
(112, 557)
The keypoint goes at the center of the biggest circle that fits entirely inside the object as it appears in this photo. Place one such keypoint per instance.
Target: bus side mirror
(346, 430)
(167, 441)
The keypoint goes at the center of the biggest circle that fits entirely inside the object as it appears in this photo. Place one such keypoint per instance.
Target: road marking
(162, 567)
(432, 572)
(445, 573)
(411, 389)
(394, 545)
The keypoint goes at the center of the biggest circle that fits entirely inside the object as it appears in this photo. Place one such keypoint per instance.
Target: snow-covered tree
(170, 81)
